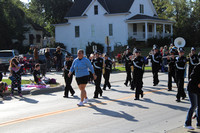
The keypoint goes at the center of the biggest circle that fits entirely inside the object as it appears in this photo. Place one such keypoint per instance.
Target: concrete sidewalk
(184, 130)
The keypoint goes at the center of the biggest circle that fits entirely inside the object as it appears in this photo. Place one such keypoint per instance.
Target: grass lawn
(122, 69)
(8, 81)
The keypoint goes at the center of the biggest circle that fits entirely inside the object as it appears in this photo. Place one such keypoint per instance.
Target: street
(115, 112)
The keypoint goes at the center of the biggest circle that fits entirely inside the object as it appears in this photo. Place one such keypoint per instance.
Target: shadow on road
(175, 107)
(120, 91)
(111, 113)
(28, 100)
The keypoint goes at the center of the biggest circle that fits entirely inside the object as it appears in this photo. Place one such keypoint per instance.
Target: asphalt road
(115, 112)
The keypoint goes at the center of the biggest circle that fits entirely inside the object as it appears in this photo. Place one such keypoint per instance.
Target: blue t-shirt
(81, 67)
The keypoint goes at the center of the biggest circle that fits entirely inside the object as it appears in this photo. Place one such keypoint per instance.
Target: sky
(26, 1)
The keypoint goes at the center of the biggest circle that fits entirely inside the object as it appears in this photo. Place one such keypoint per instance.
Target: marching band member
(138, 63)
(68, 80)
(127, 65)
(156, 59)
(171, 69)
(107, 71)
(98, 66)
(180, 71)
(193, 61)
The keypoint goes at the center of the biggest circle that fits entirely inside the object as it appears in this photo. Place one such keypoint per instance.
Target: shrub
(89, 48)
(56, 44)
(159, 41)
(118, 49)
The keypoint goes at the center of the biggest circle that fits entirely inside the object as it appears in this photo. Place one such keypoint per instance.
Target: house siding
(66, 33)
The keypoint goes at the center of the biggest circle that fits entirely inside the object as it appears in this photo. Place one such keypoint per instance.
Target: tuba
(179, 42)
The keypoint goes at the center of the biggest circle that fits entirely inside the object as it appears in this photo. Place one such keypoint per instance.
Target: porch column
(163, 30)
(155, 28)
(171, 29)
(146, 31)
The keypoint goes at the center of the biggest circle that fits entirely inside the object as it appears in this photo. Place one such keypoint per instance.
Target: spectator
(35, 54)
(15, 75)
(48, 59)
(58, 55)
(81, 66)
(36, 75)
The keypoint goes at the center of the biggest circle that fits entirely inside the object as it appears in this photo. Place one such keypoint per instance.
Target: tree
(48, 12)
(12, 23)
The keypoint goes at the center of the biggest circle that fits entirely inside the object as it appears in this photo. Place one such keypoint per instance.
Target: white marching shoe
(80, 104)
(85, 101)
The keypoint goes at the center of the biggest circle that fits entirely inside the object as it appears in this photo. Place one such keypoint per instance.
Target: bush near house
(119, 49)
(56, 44)
(89, 48)
(131, 42)
(159, 41)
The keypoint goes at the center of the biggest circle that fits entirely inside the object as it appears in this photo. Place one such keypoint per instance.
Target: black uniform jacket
(127, 59)
(108, 66)
(194, 80)
(180, 63)
(193, 60)
(98, 64)
(138, 63)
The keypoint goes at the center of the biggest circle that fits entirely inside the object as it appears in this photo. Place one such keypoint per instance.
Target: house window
(92, 31)
(74, 50)
(77, 31)
(141, 8)
(96, 10)
(150, 28)
(110, 29)
(31, 38)
(135, 29)
(38, 38)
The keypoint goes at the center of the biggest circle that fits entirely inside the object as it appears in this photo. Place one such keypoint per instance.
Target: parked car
(6, 56)
(52, 51)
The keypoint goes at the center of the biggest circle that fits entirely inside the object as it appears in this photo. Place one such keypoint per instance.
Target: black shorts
(82, 80)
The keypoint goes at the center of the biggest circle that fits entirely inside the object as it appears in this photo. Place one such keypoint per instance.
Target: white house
(93, 20)
(34, 36)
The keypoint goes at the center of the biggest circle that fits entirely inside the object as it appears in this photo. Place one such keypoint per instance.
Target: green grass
(122, 69)
(8, 81)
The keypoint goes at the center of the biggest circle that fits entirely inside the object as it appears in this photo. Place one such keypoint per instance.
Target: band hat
(67, 56)
(155, 47)
(136, 50)
(127, 48)
(181, 49)
(193, 49)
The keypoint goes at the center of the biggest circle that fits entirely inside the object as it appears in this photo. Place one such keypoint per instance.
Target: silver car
(6, 56)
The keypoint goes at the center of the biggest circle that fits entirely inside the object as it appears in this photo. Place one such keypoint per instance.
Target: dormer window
(141, 8)
(96, 10)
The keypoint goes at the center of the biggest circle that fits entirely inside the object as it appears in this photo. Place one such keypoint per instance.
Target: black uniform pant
(171, 74)
(128, 75)
(190, 71)
(1, 76)
(106, 76)
(155, 70)
(180, 84)
(68, 87)
(138, 83)
(98, 89)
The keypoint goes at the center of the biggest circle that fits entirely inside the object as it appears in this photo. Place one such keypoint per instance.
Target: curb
(38, 91)
(47, 90)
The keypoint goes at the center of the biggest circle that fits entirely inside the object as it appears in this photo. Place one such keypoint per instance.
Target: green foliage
(55, 45)
(159, 41)
(89, 48)
(119, 49)
(12, 23)
(47, 12)
(131, 42)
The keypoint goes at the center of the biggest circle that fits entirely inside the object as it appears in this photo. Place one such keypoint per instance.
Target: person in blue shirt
(80, 66)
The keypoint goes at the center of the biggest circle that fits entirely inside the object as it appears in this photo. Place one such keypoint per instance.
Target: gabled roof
(111, 6)
(145, 17)
(78, 8)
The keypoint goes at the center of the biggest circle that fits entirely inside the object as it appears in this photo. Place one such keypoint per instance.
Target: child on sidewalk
(36, 75)
(3, 88)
